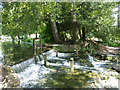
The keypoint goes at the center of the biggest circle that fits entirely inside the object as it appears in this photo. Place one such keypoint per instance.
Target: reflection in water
(14, 53)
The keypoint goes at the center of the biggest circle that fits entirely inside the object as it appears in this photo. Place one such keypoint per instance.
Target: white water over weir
(29, 72)
(1, 57)
(97, 65)
(51, 55)
(23, 65)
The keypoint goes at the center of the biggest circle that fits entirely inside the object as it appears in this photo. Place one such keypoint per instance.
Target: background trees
(59, 21)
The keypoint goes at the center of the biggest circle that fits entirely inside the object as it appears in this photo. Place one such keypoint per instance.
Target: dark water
(15, 53)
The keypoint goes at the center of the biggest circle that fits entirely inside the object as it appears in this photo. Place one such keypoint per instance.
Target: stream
(1, 57)
(35, 75)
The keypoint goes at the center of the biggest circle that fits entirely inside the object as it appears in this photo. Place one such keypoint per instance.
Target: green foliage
(112, 44)
(21, 19)
(28, 39)
(46, 33)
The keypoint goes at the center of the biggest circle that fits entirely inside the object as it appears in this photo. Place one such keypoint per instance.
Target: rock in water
(8, 78)
(117, 68)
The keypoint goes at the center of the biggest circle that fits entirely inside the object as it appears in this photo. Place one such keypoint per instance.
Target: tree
(51, 11)
(60, 21)
(20, 19)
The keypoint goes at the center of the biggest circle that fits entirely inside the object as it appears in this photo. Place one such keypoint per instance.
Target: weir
(29, 72)
(1, 57)
(23, 65)
(62, 60)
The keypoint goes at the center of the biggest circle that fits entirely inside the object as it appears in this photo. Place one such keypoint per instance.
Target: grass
(62, 78)
(64, 49)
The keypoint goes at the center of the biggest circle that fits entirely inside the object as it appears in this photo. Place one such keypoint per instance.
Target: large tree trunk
(75, 30)
(55, 32)
(75, 34)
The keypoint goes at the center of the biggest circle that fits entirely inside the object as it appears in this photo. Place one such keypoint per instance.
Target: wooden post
(34, 51)
(39, 57)
(45, 60)
(118, 60)
(76, 52)
(56, 53)
(33, 45)
(72, 65)
(76, 49)
(41, 46)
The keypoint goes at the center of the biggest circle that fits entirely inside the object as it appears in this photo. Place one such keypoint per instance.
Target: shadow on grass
(62, 79)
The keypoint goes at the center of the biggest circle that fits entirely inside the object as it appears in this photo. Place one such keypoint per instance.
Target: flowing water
(23, 65)
(1, 57)
(102, 67)
(35, 75)
(29, 73)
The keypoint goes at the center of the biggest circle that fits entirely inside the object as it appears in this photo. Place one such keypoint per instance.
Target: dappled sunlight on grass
(63, 79)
